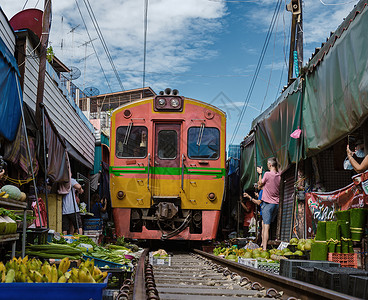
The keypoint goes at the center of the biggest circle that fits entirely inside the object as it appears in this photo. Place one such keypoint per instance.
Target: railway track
(201, 276)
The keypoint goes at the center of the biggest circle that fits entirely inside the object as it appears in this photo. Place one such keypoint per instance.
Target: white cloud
(179, 34)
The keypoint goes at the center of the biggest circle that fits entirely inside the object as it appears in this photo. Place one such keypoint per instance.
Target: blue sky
(207, 49)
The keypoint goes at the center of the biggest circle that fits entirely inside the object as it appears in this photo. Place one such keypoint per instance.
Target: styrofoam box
(250, 262)
(164, 261)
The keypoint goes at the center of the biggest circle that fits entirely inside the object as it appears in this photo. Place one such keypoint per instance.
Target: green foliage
(50, 54)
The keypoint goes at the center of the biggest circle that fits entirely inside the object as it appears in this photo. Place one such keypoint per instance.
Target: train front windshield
(203, 143)
(131, 141)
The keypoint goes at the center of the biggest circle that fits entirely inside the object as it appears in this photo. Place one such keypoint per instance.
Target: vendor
(98, 206)
(357, 159)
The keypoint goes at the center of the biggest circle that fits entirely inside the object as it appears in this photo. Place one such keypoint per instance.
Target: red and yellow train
(167, 168)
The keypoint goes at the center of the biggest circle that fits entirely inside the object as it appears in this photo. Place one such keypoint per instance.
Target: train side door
(166, 160)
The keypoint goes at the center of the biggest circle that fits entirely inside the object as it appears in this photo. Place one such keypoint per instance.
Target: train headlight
(174, 102)
(120, 195)
(211, 196)
(161, 102)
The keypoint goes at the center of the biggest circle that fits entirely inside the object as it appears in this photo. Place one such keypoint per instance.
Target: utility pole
(46, 18)
(296, 38)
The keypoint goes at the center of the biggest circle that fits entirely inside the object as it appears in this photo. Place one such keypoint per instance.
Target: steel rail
(290, 287)
(139, 292)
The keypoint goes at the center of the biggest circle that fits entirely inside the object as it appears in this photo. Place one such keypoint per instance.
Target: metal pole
(75, 209)
(292, 47)
(45, 160)
(299, 38)
(29, 152)
(24, 233)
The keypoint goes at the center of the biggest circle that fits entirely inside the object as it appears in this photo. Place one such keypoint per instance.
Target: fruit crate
(158, 260)
(358, 286)
(304, 274)
(92, 224)
(249, 262)
(117, 277)
(288, 267)
(101, 263)
(349, 260)
(335, 278)
(269, 267)
(55, 291)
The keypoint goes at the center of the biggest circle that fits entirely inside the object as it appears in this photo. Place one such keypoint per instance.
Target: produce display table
(10, 203)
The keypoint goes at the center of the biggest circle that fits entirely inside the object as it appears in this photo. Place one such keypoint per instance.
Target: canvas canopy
(10, 108)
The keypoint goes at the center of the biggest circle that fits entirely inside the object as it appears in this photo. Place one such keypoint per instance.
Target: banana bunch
(33, 270)
(4, 195)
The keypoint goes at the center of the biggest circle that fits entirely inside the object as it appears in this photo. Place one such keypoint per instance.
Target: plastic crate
(250, 262)
(55, 291)
(101, 263)
(336, 279)
(92, 224)
(288, 267)
(269, 267)
(304, 274)
(158, 260)
(117, 277)
(94, 235)
(34, 236)
(345, 259)
(358, 286)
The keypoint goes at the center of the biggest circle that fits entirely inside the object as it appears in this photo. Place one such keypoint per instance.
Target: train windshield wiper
(200, 135)
(127, 134)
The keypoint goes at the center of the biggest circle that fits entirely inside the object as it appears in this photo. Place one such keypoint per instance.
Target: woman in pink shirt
(270, 198)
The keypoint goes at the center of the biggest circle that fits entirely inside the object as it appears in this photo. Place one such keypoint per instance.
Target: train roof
(135, 102)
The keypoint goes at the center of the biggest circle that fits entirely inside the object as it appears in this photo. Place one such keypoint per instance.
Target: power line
(25, 4)
(93, 46)
(263, 52)
(328, 4)
(273, 57)
(100, 35)
(145, 41)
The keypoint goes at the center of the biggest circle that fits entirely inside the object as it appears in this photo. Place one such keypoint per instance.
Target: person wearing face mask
(356, 160)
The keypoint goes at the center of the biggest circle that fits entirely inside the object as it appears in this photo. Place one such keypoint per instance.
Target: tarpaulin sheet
(321, 206)
(10, 108)
(247, 167)
(234, 158)
(336, 93)
(272, 130)
(58, 165)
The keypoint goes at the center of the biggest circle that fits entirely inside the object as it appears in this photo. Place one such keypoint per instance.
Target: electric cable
(93, 46)
(263, 52)
(145, 41)
(25, 4)
(328, 4)
(273, 57)
(102, 39)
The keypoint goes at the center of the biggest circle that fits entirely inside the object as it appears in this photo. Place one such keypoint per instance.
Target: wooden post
(46, 18)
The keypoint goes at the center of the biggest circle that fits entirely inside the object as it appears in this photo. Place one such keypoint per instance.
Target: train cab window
(167, 144)
(131, 141)
(203, 143)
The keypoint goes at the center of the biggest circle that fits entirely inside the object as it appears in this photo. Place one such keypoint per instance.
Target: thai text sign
(321, 206)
